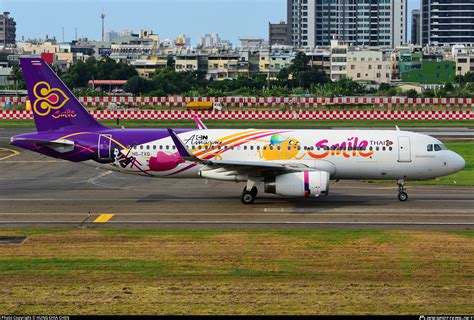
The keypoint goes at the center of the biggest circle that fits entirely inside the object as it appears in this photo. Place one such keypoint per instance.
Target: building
(209, 41)
(227, 66)
(374, 23)
(148, 67)
(252, 42)
(183, 41)
(464, 59)
(426, 69)
(338, 60)
(415, 27)
(321, 60)
(190, 62)
(369, 66)
(7, 30)
(447, 22)
(112, 35)
(278, 33)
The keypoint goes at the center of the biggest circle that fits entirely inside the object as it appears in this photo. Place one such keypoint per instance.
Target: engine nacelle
(299, 184)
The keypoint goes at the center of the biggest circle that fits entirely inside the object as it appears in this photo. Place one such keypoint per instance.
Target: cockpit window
(436, 147)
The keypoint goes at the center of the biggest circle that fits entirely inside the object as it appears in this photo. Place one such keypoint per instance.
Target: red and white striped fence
(263, 101)
(262, 115)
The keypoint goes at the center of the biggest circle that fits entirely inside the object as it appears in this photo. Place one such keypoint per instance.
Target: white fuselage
(346, 154)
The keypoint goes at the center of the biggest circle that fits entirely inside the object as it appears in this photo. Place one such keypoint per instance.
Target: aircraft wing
(235, 165)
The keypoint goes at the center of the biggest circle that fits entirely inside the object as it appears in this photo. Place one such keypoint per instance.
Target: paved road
(39, 191)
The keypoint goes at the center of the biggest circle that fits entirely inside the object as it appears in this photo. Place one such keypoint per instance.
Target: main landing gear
(250, 191)
(402, 195)
(248, 197)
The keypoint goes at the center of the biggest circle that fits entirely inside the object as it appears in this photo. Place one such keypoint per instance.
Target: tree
(283, 75)
(307, 79)
(412, 93)
(300, 64)
(16, 75)
(139, 85)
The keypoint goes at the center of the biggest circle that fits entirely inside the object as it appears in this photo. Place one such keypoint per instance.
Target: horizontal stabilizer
(60, 145)
(199, 123)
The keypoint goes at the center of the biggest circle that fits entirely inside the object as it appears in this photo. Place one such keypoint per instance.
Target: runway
(36, 191)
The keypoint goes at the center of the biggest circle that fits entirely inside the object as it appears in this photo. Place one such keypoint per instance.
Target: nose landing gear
(402, 195)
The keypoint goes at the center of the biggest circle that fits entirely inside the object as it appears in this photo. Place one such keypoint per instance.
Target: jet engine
(306, 184)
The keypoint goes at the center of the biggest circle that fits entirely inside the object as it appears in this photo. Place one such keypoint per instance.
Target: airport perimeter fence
(260, 102)
(257, 115)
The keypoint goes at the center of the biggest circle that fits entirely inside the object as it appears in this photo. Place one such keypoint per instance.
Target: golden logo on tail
(47, 99)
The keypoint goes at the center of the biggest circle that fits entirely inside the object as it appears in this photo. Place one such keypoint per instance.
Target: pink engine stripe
(307, 192)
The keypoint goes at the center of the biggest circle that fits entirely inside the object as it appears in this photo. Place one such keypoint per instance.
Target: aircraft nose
(458, 162)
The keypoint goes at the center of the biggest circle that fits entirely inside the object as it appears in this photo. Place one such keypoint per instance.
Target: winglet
(182, 149)
(199, 123)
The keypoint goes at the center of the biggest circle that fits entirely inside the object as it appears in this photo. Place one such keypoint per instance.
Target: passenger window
(161, 147)
(430, 148)
(258, 147)
(141, 147)
(167, 147)
(245, 147)
(148, 147)
(289, 148)
(174, 147)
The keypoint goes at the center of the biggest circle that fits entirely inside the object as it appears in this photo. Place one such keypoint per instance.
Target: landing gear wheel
(248, 197)
(403, 196)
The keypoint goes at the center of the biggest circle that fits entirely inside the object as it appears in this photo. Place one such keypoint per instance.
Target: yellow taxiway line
(103, 218)
(13, 153)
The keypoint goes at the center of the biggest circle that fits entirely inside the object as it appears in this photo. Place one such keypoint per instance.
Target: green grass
(289, 124)
(89, 271)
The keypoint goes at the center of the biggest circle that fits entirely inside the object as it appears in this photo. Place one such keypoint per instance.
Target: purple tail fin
(53, 104)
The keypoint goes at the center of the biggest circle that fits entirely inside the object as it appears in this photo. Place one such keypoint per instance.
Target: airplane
(285, 162)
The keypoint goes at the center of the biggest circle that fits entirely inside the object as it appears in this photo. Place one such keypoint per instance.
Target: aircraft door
(104, 146)
(404, 149)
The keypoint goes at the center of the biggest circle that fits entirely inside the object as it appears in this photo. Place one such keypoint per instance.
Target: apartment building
(447, 22)
(372, 23)
(369, 66)
(7, 30)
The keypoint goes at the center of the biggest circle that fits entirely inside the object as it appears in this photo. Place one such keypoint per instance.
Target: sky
(231, 19)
